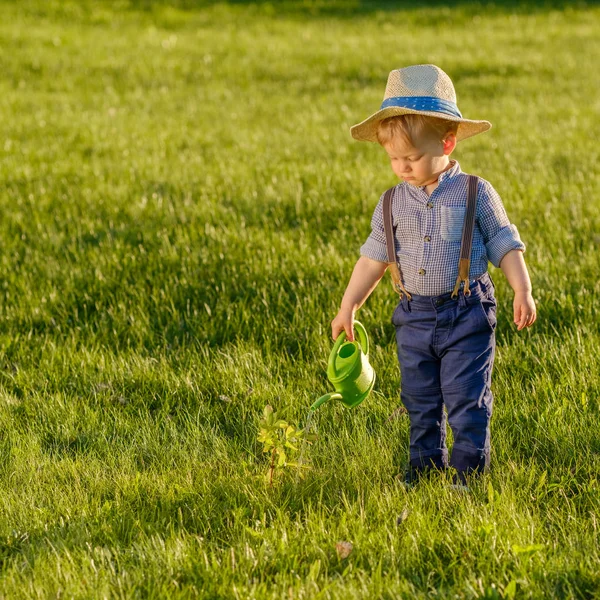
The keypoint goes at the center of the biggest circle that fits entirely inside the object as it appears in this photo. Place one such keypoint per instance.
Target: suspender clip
(464, 266)
(397, 281)
(466, 289)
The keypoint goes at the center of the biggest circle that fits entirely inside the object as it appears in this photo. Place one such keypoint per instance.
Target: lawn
(182, 206)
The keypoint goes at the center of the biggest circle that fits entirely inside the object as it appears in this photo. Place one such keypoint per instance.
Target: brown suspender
(464, 264)
(390, 243)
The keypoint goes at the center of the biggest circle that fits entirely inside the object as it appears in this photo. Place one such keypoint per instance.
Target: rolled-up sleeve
(499, 234)
(375, 246)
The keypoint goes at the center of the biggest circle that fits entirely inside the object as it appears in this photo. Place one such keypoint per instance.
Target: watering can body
(349, 370)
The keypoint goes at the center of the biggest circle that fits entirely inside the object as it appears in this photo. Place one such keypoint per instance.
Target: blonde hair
(414, 127)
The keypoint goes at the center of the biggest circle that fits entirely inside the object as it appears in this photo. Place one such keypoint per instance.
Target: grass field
(182, 206)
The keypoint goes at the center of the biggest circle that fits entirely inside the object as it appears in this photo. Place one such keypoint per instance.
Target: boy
(445, 332)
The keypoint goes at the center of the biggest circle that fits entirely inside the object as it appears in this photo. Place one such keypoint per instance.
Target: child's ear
(449, 143)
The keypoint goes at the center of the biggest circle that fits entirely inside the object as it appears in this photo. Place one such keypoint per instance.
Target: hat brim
(367, 130)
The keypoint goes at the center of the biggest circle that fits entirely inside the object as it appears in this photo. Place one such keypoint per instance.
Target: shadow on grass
(354, 8)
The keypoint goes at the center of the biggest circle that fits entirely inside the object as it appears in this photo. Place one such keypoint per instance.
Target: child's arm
(513, 266)
(365, 277)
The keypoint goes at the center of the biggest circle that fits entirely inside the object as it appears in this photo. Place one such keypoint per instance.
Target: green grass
(182, 206)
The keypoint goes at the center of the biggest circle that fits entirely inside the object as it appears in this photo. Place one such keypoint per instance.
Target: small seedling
(282, 441)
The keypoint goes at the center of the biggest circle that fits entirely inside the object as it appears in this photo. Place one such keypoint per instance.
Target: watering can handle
(364, 342)
(362, 336)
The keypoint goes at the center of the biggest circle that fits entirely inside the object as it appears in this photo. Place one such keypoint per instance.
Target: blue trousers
(446, 354)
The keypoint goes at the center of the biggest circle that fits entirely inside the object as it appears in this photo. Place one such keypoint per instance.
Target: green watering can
(349, 370)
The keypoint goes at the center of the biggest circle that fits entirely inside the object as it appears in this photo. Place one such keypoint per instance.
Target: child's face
(421, 164)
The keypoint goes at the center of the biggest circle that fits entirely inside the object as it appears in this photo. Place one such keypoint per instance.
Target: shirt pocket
(452, 223)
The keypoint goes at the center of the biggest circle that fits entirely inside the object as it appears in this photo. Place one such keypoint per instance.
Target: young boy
(445, 341)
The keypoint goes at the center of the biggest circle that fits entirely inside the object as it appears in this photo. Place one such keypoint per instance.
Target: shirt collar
(453, 171)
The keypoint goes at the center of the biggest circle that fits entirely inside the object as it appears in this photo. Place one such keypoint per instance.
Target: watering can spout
(325, 398)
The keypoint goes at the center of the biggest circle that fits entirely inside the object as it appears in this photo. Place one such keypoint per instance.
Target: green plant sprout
(282, 441)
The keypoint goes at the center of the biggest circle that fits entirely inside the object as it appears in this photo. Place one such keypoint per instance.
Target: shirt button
(429, 205)
(421, 271)
(427, 238)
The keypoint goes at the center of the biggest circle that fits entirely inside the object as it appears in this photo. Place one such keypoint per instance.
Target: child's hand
(524, 310)
(343, 322)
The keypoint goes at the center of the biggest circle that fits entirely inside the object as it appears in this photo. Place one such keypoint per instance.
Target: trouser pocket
(487, 310)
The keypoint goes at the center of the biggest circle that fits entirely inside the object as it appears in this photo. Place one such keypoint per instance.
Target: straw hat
(419, 90)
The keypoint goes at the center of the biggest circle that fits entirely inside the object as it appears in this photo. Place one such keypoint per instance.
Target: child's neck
(429, 187)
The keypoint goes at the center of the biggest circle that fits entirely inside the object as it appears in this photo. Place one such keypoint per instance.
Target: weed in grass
(283, 442)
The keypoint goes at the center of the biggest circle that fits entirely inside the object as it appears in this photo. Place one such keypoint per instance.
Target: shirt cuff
(374, 249)
(504, 241)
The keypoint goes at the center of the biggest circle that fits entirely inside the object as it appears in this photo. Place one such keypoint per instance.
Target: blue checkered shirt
(429, 232)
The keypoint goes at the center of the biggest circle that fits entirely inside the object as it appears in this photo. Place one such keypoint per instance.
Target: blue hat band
(428, 103)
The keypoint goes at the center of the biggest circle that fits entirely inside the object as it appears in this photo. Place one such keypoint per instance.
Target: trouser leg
(427, 428)
(421, 392)
(469, 414)
(466, 370)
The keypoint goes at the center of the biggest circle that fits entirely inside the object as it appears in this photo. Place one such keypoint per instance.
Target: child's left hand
(524, 310)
